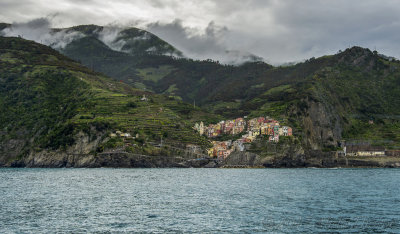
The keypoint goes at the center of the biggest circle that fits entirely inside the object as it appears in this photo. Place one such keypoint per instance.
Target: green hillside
(352, 87)
(132, 69)
(46, 100)
(351, 96)
(355, 93)
(130, 40)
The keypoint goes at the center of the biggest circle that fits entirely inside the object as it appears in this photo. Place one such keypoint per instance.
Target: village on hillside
(251, 129)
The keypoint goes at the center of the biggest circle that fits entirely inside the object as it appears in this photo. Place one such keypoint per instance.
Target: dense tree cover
(358, 84)
(47, 98)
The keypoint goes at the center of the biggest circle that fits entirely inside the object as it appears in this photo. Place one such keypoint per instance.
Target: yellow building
(370, 153)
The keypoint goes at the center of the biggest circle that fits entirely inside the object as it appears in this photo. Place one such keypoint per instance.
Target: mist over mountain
(208, 44)
(67, 108)
(39, 30)
(100, 89)
(350, 95)
(180, 40)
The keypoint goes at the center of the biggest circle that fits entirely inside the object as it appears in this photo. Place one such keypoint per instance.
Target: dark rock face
(237, 159)
(117, 160)
(80, 154)
(359, 57)
(198, 163)
(11, 148)
(321, 124)
(211, 164)
(282, 155)
(242, 159)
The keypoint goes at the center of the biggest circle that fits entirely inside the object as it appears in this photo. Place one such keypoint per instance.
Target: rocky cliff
(56, 112)
(83, 153)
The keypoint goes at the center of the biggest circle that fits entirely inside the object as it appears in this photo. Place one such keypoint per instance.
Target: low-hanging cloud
(277, 30)
(109, 35)
(193, 42)
(201, 44)
(40, 30)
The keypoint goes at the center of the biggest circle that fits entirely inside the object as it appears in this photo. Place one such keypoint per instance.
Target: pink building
(290, 133)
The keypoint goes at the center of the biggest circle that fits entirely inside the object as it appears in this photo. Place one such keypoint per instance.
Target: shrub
(131, 105)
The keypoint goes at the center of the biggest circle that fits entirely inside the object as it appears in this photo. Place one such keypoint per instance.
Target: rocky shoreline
(235, 160)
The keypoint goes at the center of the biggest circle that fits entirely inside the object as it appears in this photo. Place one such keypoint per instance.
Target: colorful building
(254, 127)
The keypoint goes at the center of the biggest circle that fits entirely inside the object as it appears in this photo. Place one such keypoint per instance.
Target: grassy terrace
(152, 119)
(53, 97)
(44, 93)
(154, 73)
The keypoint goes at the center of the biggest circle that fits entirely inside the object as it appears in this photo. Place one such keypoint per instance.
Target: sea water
(199, 200)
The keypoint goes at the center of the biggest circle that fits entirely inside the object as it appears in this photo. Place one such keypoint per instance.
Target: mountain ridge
(349, 96)
(53, 108)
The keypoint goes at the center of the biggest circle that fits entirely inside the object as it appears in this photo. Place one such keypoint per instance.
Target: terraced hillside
(350, 96)
(52, 105)
(326, 99)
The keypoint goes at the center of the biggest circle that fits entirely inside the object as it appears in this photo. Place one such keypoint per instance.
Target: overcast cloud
(277, 30)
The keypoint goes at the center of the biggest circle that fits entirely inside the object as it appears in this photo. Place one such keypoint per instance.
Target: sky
(279, 31)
